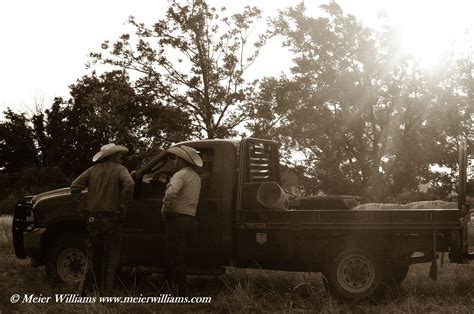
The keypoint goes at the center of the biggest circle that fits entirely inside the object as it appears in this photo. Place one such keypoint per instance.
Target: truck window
(154, 182)
(205, 172)
(154, 173)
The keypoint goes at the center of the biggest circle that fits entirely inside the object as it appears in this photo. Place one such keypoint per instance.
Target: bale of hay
(380, 206)
(438, 204)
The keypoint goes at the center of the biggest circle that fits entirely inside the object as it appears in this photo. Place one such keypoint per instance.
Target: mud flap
(434, 264)
(434, 269)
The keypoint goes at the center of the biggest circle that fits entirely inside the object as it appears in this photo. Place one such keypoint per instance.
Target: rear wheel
(353, 274)
(67, 260)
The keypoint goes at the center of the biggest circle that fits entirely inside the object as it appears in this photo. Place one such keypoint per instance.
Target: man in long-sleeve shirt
(110, 187)
(179, 211)
(182, 192)
(110, 192)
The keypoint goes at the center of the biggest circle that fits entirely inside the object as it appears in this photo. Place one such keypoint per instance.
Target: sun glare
(428, 29)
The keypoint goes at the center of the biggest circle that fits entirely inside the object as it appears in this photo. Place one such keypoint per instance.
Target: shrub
(29, 181)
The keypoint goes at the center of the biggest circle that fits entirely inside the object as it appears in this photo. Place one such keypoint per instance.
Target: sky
(45, 43)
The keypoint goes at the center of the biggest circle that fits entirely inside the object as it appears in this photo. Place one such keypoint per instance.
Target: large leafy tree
(340, 111)
(193, 59)
(449, 120)
(105, 109)
(17, 147)
(366, 116)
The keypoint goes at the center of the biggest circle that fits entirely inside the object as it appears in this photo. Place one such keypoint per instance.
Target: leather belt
(175, 214)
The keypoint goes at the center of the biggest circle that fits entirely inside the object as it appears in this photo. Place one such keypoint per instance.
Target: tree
(17, 147)
(194, 60)
(104, 109)
(109, 108)
(341, 112)
(365, 115)
(449, 120)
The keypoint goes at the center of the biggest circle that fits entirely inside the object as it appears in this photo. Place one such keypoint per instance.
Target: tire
(353, 274)
(66, 259)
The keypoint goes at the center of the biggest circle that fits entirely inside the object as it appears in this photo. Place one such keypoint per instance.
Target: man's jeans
(179, 228)
(103, 251)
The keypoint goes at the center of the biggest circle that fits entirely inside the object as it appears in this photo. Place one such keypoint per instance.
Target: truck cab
(144, 224)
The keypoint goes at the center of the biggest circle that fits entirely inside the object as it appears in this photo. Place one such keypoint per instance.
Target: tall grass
(7, 205)
(6, 234)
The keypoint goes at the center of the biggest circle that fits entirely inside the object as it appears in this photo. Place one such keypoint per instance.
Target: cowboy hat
(187, 153)
(108, 150)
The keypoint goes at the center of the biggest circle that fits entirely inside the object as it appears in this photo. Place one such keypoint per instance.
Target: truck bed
(404, 219)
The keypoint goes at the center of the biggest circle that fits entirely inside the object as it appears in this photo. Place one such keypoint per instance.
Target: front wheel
(67, 259)
(353, 274)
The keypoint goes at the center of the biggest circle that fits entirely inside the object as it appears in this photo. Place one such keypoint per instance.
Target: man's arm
(127, 191)
(172, 190)
(80, 184)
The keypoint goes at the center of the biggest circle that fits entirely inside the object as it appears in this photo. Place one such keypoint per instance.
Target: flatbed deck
(415, 219)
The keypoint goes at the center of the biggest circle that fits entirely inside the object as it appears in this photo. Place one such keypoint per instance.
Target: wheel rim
(71, 265)
(356, 273)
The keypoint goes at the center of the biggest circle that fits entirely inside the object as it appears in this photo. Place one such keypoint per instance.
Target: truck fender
(33, 242)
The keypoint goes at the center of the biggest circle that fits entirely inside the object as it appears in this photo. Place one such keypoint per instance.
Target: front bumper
(22, 223)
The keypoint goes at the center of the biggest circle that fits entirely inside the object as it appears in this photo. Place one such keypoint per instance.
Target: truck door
(205, 248)
(144, 237)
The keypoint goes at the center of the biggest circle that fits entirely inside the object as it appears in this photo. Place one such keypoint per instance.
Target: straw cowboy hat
(187, 153)
(108, 150)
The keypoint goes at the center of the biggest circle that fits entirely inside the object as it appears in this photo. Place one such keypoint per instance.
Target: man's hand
(76, 197)
(165, 211)
(123, 208)
(80, 204)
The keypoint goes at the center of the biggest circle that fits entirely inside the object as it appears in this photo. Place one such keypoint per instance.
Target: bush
(34, 180)
(29, 181)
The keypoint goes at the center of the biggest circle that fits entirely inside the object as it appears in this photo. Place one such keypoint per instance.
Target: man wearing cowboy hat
(179, 210)
(110, 191)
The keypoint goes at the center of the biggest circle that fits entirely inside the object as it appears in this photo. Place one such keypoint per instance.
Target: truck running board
(213, 271)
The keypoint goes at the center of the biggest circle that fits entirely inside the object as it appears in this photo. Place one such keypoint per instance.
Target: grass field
(241, 290)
